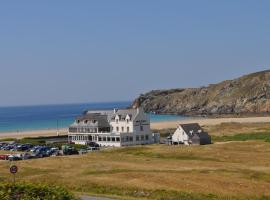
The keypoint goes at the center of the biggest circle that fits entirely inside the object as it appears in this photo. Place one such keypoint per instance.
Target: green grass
(264, 136)
(146, 152)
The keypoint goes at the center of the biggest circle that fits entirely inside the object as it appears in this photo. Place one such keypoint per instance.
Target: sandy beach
(154, 125)
(212, 121)
(34, 133)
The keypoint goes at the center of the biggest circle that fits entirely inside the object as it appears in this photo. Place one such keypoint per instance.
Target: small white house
(190, 134)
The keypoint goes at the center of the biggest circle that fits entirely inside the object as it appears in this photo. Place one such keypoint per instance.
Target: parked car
(26, 156)
(69, 150)
(83, 151)
(14, 157)
(93, 144)
(4, 157)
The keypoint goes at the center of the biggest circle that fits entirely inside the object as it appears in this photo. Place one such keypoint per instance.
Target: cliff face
(249, 94)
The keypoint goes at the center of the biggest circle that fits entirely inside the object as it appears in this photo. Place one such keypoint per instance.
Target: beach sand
(154, 125)
(34, 133)
(209, 122)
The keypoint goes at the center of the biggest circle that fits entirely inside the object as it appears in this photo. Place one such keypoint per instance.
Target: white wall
(180, 136)
(142, 119)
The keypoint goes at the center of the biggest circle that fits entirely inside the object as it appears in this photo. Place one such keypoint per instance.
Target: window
(113, 139)
(141, 128)
(131, 138)
(137, 138)
(117, 129)
(146, 137)
(103, 138)
(109, 139)
(142, 137)
(127, 120)
(99, 138)
(89, 137)
(122, 129)
(117, 139)
(127, 129)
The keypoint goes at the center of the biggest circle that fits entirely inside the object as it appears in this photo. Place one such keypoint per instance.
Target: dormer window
(117, 119)
(127, 118)
(85, 121)
(78, 121)
(94, 121)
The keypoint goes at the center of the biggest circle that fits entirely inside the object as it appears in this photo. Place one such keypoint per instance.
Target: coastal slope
(249, 94)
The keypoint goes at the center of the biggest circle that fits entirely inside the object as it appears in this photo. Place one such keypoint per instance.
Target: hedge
(26, 191)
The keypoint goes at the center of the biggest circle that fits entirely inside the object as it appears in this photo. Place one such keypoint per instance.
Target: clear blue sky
(90, 51)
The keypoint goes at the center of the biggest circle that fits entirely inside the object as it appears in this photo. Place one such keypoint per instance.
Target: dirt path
(85, 197)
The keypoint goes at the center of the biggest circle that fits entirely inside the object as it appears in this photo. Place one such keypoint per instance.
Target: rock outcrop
(249, 94)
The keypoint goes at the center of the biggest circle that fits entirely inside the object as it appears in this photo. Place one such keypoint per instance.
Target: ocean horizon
(43, 117)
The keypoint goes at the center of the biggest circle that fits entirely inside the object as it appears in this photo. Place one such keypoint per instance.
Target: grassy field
(224, 170)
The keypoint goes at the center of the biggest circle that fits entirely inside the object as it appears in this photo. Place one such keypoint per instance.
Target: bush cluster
(26, 191)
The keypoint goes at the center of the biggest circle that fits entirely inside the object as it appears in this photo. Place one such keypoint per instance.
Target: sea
(43, 117)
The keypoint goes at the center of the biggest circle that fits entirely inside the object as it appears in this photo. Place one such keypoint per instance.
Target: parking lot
(19, 151)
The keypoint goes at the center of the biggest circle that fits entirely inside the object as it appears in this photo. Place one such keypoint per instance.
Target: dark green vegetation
(243, 137)
(249, 94)
(36, 140)
(26, 191)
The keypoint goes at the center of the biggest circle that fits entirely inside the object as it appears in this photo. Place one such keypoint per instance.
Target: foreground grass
(237, 170)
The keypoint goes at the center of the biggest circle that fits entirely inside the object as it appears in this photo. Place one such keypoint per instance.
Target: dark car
(93, 144)
(14, 158)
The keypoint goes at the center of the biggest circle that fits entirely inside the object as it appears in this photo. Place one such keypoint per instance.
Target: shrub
(26, 191)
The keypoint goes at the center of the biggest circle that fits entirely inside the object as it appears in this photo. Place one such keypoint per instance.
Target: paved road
(85, 197)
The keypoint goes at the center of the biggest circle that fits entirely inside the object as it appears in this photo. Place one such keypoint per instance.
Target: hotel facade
(123, 127)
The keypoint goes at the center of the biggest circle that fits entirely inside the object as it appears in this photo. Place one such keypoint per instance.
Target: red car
(4, 157)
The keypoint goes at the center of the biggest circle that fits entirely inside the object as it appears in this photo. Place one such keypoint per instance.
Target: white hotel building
(124, 127)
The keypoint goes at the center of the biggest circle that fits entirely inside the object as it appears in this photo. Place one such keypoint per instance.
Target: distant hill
(248, 94)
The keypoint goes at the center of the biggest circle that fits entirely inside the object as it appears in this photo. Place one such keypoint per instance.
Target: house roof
(111, 114)
(122, 113)
(195, 133)
(95, 119)
(192, 129)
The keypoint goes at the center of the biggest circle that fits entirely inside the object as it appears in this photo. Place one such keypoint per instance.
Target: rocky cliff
(249, 94)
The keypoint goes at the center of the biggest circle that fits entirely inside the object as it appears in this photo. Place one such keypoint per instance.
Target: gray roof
(122, 113)
(96, 119)
(111, 114)
(193, 128)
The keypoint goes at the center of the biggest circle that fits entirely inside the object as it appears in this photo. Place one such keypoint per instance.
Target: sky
(65, 51)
